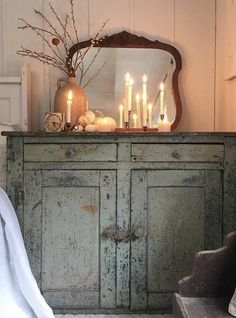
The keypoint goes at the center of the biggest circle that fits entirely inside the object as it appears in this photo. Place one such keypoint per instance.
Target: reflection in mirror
(107, 91)
(124, 53)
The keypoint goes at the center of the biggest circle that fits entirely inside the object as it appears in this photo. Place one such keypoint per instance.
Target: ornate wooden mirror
(125, 52)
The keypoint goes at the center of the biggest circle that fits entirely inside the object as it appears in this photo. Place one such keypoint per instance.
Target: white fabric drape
(20, 296)
(232, 305)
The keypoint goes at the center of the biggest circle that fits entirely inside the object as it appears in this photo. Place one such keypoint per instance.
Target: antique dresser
(111, 221)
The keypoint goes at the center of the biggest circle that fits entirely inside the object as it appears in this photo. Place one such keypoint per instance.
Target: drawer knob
(119, 234)
(176, 154)
(71, 152)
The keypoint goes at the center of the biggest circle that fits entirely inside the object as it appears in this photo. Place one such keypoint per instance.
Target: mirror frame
(125, 39)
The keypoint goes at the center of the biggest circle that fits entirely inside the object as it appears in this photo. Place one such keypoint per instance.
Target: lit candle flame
(144, 78)
(162, 86)
(127, 77)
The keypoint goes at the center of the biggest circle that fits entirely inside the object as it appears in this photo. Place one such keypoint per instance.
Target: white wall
(187, 24)
(226, 66)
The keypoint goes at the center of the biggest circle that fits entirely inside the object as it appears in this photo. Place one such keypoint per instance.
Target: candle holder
(126, 125)
(68, 127)
(129, 115)
(144, 128)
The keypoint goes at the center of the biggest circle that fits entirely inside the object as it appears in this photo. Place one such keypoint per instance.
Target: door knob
(119, 234)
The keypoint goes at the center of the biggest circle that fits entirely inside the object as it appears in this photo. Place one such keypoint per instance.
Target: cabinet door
(174, 214)
(65, 215)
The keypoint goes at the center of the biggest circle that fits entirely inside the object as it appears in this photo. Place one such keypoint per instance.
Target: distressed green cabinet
(176, 212)
(64, 213)
(112, 221)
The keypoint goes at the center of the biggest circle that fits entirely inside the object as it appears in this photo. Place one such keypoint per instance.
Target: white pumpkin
(105, 124)
(87, 118)
(90, 128)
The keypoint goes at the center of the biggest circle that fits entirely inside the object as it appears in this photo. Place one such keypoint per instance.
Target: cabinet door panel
(70, 238)
(175, 214)
(174, 231)
(64, 225)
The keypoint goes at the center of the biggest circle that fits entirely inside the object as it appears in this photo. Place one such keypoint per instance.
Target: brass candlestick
(129, 114)
(68, 127)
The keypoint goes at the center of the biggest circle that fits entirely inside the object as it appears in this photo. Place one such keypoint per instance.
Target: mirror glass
(106, 92)
(126, 53)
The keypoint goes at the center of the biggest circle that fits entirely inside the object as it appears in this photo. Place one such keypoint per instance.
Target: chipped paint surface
(112, 222)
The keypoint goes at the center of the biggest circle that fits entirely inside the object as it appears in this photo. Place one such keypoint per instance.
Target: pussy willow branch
(49, 23)
(25, 51)
(83, 72)
(62, 40)
(95, 40)
(41, 57)
(65, 35)
(43, 37)
(64, 27)
(35, 27)
(100, 30)
(73, 20)
(95, 75)
(78, 53)
(55, 31)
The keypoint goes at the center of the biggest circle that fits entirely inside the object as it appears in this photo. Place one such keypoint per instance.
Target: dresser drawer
(178, 152)
(70, 152)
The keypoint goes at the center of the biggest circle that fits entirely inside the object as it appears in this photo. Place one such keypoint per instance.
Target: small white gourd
(87, 118)
(90, 128)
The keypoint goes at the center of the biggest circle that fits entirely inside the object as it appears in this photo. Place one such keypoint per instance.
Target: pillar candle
(134, 120)
(164, 125)
(130, 95)
(138, 111)
(144, 100)
(68, 107)
(145, 88)
(150, 115)
(121, 108)
(162, 96)
(126, 117)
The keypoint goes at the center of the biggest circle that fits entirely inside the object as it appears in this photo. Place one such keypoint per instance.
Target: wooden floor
(116, 316)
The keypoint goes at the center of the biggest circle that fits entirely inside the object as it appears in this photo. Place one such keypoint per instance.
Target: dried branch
(64, 27)
(100, 30)
(76, 33)
(95, 75)
(35, 27)
(73, 20)
(59, 43)
(46, 59)
(83, 73)
(42, 37)
(49, 23)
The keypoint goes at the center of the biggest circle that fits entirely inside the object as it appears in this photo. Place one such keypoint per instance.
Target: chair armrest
(214, 272)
